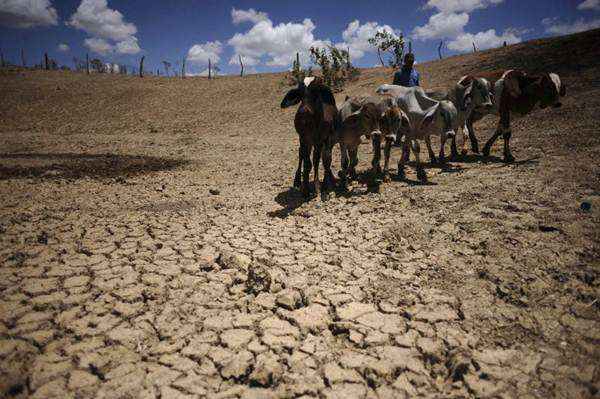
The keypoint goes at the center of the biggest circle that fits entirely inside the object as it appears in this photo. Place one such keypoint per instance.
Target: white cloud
(128, 46)
(251, 15)
(99, 46)
(27, 13)
(201, 53)
(279, 43)
(442, 25)
(555, 27)
(95, 18)
(108, 28)
(451, 19)
(63, 47)
(458, 6)
(483, 40)
(356, 37)
(589, 5)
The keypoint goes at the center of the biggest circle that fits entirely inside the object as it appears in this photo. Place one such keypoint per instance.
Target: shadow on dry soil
(77, 166)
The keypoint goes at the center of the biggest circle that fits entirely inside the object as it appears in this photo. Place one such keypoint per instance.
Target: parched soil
(151, 246)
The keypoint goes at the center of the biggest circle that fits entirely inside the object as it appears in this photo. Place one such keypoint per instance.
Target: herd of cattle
(412, 114)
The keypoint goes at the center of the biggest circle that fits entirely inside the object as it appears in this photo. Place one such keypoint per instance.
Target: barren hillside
(151, 246)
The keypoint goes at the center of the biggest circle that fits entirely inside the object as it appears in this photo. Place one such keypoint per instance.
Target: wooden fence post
(46, 61)
(242, 65)
(87, 63)
(183, 69)
(440, 48)
(1, 59)
(209, 67)
(142, 66)
(23, 57)
(474, 48)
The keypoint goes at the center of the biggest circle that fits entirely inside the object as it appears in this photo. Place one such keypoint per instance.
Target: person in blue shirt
(407, 76)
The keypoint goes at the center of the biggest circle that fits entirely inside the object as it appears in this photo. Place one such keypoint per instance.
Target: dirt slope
(150, 246)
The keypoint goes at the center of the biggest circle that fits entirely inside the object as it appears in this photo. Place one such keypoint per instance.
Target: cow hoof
(464, 152)
(486, 152)
(387, 178)
(434, 161)
(422, 175)
(297, 184)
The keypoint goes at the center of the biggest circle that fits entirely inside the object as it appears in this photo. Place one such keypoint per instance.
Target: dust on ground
(151, 246)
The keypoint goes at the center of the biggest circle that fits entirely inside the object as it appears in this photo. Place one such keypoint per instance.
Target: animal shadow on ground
(290, 199)
(77, 166)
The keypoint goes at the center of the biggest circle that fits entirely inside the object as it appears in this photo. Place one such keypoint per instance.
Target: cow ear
(292, 97)
(563, 90)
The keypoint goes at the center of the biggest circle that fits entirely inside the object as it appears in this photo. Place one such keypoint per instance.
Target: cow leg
(404, 158)
(386, 163)
(298, 177)
(430, 150)
(443, 148)
(453, 150)
(316, 159)
(353, 152)
(328, 175)
(488, 146)
(344, 164)
(376, 162)
(465, 137)
(472, 137)
(421, 175)
(507, 155)
(306, 171)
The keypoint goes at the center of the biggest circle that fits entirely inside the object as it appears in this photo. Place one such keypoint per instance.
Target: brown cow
(316, 122)
(516, 94)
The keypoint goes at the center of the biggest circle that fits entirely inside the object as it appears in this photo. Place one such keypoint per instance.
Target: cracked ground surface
(150, 246)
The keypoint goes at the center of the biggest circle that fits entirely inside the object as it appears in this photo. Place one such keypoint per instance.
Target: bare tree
(440, 48)
(385, 41)
(209, 69)
(183, 68)
(167, 66)
(23, 57)
(2, 59)
(474, 48)
(87, 63)
(46, 63)
(142, 66)
(241, 65)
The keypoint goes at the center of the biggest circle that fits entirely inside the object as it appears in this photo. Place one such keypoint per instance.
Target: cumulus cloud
(483, 40)
(589, 5)
(450, 20)
(63, 47)
(103, 23)
(458, 6)
(27, 13)
(251, 15)
(356, 37)
(99, 46)
(442, 25)
(201, 53)
(555, 27)
(278, 43)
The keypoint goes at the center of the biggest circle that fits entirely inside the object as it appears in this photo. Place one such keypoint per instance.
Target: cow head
(547, 89)
(370, 119)
(309, 91)
(478, 95)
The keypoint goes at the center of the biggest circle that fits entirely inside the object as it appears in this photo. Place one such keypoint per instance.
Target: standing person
(406, 76)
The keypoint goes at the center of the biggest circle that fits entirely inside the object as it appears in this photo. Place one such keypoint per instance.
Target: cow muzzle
(376, 133)
(450, 134)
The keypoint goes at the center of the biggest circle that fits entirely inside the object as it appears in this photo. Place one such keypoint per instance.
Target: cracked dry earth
(151, 247)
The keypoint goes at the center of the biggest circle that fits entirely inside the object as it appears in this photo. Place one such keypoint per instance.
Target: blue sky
(267, 33)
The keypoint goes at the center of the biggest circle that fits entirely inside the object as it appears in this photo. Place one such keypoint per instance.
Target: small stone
(238, 365)
(267, 371)
(259, 280)
(289, 299)
(214, 191)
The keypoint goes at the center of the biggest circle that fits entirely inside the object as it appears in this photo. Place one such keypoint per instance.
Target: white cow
(426, 116)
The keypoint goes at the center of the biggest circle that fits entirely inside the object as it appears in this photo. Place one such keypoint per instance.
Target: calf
(515, 94)
(425, 116)
(468, 95)
(375, 118)
(316, 122)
